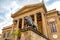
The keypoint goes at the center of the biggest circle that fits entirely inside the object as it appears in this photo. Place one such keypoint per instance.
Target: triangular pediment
(27, 8)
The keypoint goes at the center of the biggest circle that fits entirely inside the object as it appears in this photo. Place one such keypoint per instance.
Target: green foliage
(17, 32)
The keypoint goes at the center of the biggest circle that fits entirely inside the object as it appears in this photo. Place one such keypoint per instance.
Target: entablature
(29, 8)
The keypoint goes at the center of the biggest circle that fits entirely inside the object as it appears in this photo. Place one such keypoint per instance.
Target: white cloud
(8, 20)
(44, 1)
(55, 5)
(13, 6)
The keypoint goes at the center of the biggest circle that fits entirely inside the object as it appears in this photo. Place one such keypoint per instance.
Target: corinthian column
(35, 19)
(44, 24)
(22, 23)
(22, 33)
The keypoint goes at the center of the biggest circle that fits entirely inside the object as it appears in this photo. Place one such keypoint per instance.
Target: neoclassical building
(0, 36)
(47, 22)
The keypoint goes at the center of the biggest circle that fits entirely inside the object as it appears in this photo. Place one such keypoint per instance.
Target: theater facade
(47, 23)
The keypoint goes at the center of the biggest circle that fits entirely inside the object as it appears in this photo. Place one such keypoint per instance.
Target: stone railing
(35, 36)
(32, 34)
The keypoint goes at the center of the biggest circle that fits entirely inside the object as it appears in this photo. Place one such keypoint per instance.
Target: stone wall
(35, 36)
(30, 35)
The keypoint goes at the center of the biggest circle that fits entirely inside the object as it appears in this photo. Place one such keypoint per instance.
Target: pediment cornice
(29, 7)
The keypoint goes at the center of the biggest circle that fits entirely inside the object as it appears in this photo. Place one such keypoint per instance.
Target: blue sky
(8, 7)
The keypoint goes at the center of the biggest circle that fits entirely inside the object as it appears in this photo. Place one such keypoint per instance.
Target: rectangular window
(53, 27)
(8, 34)
(4, 35)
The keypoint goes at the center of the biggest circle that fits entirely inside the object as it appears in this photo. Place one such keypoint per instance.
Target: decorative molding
(34, 6)
(52, 12)
(51, 20)
(55, 36)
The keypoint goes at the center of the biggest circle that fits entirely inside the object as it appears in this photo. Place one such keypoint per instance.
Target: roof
(52, 11)
(7, 27)
(30, 7)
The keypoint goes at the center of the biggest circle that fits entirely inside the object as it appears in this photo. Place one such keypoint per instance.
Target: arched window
(53, 27)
